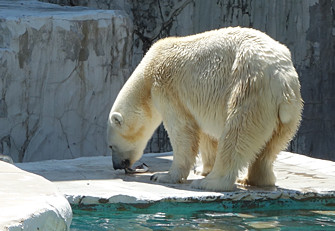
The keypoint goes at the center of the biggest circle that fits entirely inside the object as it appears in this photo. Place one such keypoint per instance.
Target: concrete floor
(92, 180)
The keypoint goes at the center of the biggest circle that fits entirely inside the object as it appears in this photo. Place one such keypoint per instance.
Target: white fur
(232, 93)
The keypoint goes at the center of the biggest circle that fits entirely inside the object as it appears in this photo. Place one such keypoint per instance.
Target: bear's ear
(117, 118)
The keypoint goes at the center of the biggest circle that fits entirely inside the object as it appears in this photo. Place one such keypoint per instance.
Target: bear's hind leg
(245, 134)
(208, 149)
(260, 172)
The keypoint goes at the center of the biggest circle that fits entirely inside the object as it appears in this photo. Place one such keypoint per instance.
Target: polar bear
(233, 94)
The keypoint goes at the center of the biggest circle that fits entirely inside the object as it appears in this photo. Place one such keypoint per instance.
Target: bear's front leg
(208, 150)
(171, 177)
(184, 138)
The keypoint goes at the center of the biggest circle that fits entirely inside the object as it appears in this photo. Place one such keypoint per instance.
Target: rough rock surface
(307, 27)
(61, 69)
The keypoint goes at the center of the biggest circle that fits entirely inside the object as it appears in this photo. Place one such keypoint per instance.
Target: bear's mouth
(121, 165)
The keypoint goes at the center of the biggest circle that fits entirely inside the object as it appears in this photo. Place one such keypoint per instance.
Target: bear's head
(132, 119)
(126, 139)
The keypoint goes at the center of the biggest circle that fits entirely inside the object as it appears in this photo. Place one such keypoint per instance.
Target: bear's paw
(213, 184)
(165, 178)
(200, 171)
(244, 181)
(268, 181)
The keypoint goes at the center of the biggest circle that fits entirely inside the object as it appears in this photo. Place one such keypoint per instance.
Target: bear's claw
(153, 178)
(165, 178)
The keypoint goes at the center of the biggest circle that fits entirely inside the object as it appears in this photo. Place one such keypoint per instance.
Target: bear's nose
(121, 165)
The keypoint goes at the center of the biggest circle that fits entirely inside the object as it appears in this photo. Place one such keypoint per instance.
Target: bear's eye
(110, 146)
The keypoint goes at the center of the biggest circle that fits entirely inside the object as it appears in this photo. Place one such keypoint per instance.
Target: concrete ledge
(30, 202)
(91, 180)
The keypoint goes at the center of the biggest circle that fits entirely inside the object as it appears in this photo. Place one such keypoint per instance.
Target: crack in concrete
(66, 138)
(29, 135)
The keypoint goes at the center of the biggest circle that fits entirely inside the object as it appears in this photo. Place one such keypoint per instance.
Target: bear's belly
(211, 125)
(212, 129)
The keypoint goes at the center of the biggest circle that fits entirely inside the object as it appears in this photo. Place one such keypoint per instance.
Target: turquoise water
(316, 214)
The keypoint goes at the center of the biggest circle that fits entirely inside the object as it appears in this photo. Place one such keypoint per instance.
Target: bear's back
(202, 70)
(218, 50)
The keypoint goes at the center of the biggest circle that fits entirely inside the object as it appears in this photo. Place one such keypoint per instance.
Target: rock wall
(307, 27)
(61, 69)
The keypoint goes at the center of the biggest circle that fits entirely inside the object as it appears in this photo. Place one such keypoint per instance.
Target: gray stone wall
(60, 71)
(307, 27)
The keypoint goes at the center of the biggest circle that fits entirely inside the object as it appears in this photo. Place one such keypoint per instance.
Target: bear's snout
(121, 164)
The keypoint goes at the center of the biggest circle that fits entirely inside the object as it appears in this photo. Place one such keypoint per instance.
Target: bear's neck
(139, 101)
(137, 91)
(135, 97)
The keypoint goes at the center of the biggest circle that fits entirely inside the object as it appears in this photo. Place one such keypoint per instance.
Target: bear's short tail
(286, 112)
(290, 101)
(290, 108)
